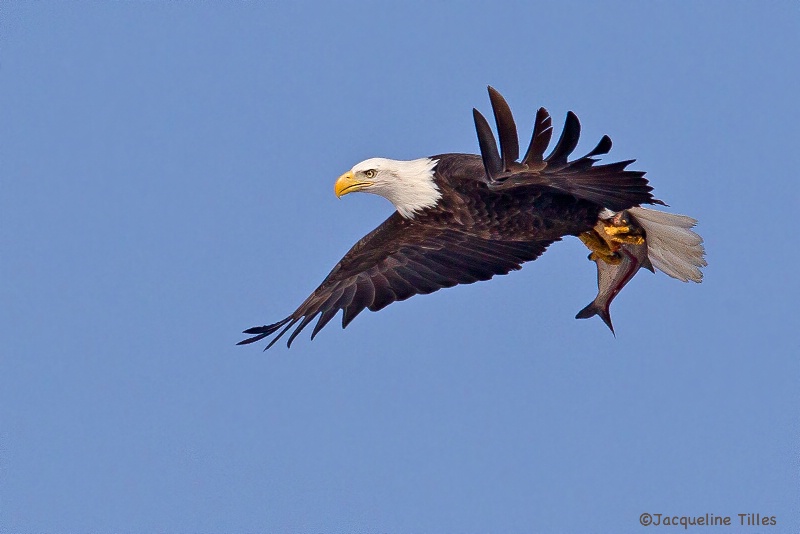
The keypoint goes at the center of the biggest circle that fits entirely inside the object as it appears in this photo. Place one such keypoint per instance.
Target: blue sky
(166, 180)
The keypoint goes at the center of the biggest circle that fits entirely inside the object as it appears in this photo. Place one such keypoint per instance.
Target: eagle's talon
(629, 239)
(620, 231)
(613, 230)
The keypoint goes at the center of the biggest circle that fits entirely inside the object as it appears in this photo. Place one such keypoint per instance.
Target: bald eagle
(462, 218)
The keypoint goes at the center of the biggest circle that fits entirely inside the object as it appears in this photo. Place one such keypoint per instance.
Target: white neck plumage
(409, 185)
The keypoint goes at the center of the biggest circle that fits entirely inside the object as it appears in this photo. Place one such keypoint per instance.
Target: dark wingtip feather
(252, 339)
(542, 132)
(567, 142)
(267, 329)
(324, 319)
(603, 147)
(506, 128)
(260, 332)
(280, 334)
(308, 318)
(491, 157)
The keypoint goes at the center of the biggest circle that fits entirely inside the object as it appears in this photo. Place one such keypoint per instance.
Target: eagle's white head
(409, 185)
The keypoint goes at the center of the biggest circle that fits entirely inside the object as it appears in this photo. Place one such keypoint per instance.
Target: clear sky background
(166, 180)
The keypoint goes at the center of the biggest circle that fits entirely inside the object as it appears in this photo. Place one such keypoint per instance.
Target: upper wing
(397, 260)
(608, 185)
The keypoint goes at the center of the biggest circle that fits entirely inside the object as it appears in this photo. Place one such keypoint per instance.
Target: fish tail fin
(595, 309)
(672, 246)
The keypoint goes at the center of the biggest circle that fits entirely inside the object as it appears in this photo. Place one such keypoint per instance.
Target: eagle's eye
(370, 173)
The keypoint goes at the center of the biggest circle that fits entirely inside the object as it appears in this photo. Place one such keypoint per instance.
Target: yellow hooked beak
(348, 184)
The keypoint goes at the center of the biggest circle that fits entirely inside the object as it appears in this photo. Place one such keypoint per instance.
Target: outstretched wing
(609, 185)
(399, 259)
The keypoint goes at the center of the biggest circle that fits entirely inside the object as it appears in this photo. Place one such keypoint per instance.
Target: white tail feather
(672, 246)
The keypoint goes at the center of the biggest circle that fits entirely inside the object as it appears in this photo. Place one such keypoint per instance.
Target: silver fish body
(611, 278)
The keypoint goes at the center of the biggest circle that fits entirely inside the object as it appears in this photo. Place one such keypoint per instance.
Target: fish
(612, 277)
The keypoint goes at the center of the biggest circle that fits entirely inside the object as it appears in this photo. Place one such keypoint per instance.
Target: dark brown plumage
(494, 214)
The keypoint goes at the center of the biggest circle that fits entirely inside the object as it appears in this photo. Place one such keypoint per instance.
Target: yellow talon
(629, 239)
(620, 230)
(610, 229)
